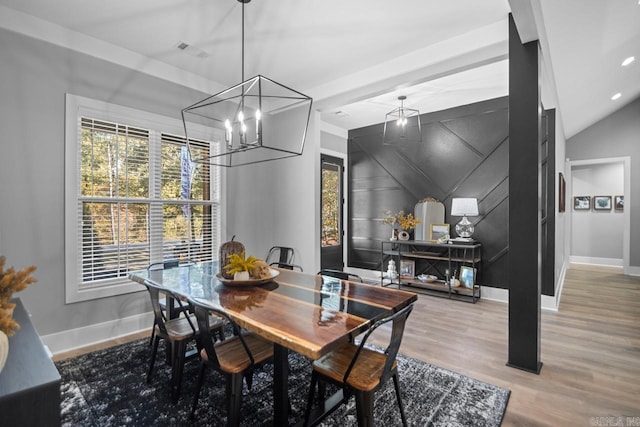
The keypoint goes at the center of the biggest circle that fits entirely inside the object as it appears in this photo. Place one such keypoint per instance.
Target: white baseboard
(554, 302)
(608, 262)
(633, 271)
(61, 342)
(495, 294)
(502, 295)
(364, 273)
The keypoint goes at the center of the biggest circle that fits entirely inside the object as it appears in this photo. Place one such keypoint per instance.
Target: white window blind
(114, 200)
(138, 200)
(188, 216)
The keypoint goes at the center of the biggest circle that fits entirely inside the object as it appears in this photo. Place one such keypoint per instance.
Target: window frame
(76, 108)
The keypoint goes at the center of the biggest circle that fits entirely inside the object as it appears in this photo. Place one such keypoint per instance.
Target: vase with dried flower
(391, 220)
(11, 281)
(406, 222)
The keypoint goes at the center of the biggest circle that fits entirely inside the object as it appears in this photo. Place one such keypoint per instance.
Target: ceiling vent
(191, 50)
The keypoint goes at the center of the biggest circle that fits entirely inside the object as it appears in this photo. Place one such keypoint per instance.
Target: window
(133, 197)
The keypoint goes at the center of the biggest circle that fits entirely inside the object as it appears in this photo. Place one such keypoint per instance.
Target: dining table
(300, 312)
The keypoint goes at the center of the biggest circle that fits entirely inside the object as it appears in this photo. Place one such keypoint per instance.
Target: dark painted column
(524, 213)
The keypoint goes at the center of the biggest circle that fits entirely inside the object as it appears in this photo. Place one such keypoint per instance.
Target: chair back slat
(206, 339)
(158, 313)
(163, 265)
(399, 320)
(284, 255)
(342, 275)
(286, 266)
(202, 311)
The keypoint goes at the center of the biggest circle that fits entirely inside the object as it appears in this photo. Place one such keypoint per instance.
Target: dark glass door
(331, 203)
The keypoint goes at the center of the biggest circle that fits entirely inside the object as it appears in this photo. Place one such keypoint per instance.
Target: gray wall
(277, 203)
(597, 233)
(330, 141)
(34, 77)
(617, 135)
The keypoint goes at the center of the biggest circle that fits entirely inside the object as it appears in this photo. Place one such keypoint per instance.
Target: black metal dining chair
(286, 266)
(360, 371)
(282, 254)
(176, 333)
(342, 275)
(165, 303)
(235, 357)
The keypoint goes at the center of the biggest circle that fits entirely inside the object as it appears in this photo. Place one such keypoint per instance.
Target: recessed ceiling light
(628, 61)
(616, 96)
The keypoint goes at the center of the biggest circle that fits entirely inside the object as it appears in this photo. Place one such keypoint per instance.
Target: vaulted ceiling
(355, 57)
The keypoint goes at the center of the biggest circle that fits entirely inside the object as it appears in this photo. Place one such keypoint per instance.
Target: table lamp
(463, 207)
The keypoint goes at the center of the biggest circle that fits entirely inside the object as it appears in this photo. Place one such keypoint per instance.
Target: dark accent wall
(464, 153)
(548, 201)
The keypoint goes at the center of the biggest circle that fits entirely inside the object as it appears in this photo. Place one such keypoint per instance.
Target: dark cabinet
(29, 382)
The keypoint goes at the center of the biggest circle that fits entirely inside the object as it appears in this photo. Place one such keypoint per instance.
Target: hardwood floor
(590, 350)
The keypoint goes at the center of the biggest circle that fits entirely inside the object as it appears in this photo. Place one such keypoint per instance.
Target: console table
(443, 260)
(29, 382)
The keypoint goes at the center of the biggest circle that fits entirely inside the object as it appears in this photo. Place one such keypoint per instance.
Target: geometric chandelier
(402, 125)
(262, 121)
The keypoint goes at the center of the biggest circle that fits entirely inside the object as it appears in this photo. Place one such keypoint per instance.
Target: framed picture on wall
(618, 203)
(602, 203)
(582, 202)
(407, 268)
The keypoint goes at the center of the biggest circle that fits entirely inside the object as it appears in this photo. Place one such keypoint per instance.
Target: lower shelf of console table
(438, 288)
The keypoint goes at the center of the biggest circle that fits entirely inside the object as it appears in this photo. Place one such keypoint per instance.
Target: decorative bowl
(428, 278)
(249, 282)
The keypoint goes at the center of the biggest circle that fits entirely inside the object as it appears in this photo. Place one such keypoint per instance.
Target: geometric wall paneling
(482, 130)
(445, 156)
(492, 232)
(486, 174)
(464, 153)
(399, 166)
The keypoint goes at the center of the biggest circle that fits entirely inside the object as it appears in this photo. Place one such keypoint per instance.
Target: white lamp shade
(464, 206)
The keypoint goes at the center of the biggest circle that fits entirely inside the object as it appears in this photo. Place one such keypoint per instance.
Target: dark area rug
(108, 388)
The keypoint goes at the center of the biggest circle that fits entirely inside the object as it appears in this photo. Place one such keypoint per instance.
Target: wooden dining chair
(360, 371)
(176, 333)
(235, 357)
(342, 275)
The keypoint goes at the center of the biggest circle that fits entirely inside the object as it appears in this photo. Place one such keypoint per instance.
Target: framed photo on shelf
(407, 269)
(602, 203)
(438, 231)
(618, 203)
(582, 202)
(467, 276)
